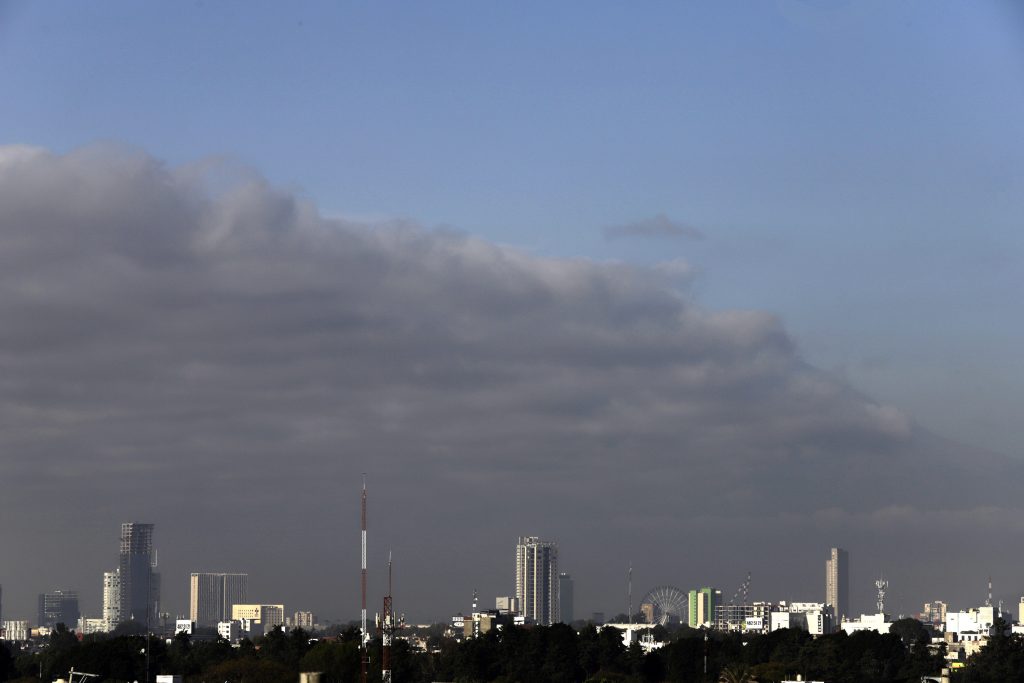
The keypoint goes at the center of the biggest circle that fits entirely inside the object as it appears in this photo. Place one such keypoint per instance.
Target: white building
(88, 626)
(973, 624)
(230, 631)
(16, 630)
(813, 617)
(867, 622)
(111, 600)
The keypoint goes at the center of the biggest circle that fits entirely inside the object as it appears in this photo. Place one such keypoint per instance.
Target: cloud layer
(212, 354)
(661, 226)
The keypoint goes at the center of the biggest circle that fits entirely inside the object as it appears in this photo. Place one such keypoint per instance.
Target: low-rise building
(743, 618)
(483, 622)
(813, 617)
(867, 622)
(973, 624)
(251, 628)
(230, 631)
(268, 616)
(507, 605)
(87, 626)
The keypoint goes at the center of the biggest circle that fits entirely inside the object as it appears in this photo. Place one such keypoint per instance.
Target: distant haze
(209, 353)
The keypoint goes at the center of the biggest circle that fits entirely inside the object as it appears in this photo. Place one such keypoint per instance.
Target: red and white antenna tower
(365, 635)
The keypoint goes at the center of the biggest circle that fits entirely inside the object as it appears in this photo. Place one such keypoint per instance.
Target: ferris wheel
(668, 604)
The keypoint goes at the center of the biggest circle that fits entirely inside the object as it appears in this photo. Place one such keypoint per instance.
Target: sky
(703, 287)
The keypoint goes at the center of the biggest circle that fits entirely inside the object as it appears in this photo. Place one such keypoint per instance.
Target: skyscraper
(565, 598)
(139, 598)
(537, 580)
(837, 583)
(58, 607)
(213, 594)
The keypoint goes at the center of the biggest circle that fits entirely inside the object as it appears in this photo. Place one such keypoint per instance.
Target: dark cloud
(661, 226)
(224, 361)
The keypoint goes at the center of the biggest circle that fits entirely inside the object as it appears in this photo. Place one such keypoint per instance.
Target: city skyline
(696, 289)
(218, 597)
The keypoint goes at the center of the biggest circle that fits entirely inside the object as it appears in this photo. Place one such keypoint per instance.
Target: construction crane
(742, 592)
(82, 676)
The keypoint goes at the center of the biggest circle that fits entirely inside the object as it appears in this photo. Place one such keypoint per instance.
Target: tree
(7, 669)
(736, 674)
(911, 631)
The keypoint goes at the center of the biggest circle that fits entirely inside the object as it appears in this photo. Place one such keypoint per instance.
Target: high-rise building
(111, 600)
(213, 594)
(565, 598)
(702, 603)
(837, 583)
(537, 580)
(58, 607)
(304, 619)
(139, 584)
(934, 613)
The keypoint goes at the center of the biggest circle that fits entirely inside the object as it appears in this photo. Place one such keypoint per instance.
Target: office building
(267, 616)
(58, 607)
(702, 603)
(507, 605)
(211, 596)
(139, 584)
(16, 630)
(304, 620)
(837, 583)
(565, 598)
(537, 580)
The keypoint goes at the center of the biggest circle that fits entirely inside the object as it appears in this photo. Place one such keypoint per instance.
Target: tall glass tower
(213, 594)
(139, 593)
(537, 580)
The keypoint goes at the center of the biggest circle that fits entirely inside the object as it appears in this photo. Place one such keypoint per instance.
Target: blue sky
(856, 168)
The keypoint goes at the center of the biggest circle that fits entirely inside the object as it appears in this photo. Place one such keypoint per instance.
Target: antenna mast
(365, 658)
(629, 593)
(880, 585)
(387, 631)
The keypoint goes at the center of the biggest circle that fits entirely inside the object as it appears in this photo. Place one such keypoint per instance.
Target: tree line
(555, 654)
